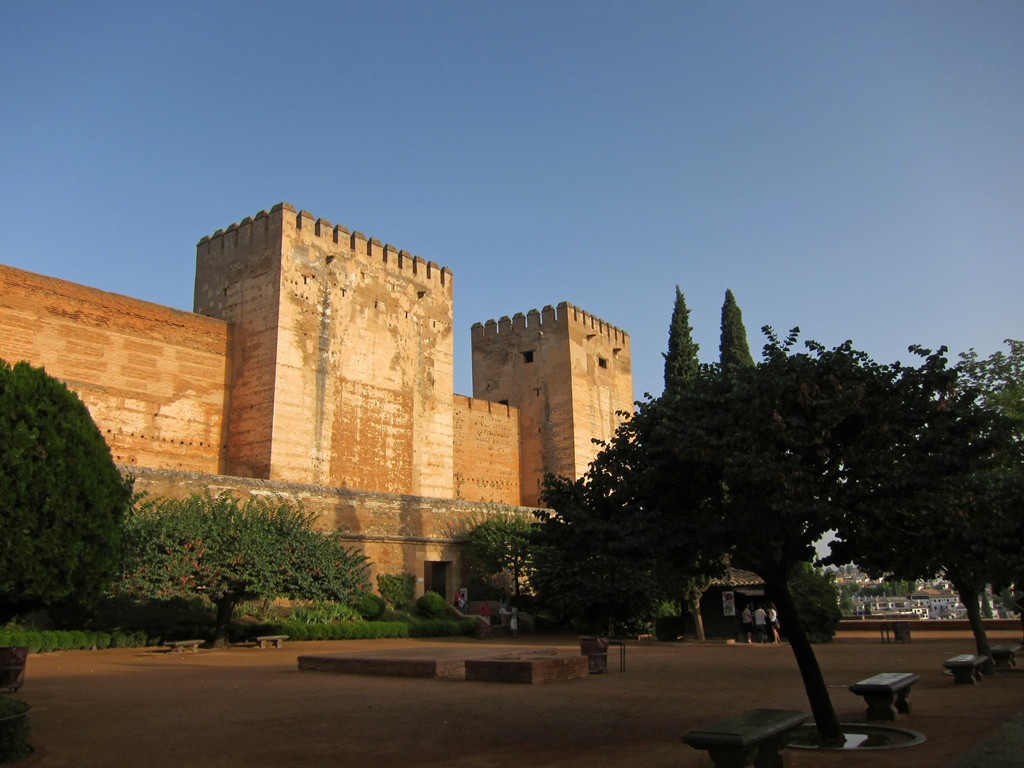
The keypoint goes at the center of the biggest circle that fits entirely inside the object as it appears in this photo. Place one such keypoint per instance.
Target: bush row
(371, 630)
(54, 640)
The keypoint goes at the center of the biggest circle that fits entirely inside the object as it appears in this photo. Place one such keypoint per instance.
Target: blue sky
(855, 169)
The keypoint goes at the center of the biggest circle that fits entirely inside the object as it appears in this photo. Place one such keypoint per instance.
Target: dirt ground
(249, 707)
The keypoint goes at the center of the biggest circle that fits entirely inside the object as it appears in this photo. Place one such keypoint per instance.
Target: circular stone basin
(858, 736)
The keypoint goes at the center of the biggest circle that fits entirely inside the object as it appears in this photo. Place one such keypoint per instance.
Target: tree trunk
(814, 684)
(225, 610)
(698, 620)
(969, 597)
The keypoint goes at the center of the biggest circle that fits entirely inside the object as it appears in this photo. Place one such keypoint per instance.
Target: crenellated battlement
(560, 317)
(334, 240)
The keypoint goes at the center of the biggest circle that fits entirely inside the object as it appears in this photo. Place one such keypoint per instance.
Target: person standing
(513, 622)
(773, 622)
(759, 624)
(747, 617)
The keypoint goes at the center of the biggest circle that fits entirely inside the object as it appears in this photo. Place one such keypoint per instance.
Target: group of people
(758, 621)
(508, 617)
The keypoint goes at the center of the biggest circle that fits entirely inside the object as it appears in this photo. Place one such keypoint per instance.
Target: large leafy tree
(62, 499)
(757, 453)
(733, 348)
(499, 543)
(939, 490)
(227, 552)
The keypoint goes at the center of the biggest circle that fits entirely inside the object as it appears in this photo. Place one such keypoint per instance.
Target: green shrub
(14, 731)
(371, 606)
(350, 630)
(325, 612)
(431, 604)
(817, 602)
(397, 589)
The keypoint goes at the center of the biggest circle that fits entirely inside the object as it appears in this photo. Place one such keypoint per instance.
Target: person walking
(760, 617)
(513, 622)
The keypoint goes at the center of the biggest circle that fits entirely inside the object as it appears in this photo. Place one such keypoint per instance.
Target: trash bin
(596, 651)
(12, 667)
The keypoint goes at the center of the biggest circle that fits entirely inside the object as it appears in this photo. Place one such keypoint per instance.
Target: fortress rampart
(319, 363)
(549, 318)
(154, 379)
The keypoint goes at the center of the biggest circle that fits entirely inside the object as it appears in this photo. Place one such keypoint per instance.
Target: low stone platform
(442, 663)
(531, 668)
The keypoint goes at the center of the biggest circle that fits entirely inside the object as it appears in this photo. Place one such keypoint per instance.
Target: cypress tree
(733, 348)
(681, 363)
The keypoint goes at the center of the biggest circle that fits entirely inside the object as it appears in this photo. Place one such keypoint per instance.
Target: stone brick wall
(153, 378)
(486, 451)
(568, 373)
(344, 354)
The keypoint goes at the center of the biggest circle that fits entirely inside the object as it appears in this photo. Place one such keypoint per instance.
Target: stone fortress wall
(154, 379)
(319, 364)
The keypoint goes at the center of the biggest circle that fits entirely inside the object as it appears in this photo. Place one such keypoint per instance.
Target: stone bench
(756, 738)
(267, 640)
(1004, 656)
(966, 668)
(184, 645)
(886, 694)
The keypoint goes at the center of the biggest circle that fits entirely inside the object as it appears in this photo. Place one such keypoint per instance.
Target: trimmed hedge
(372, 630)
(56, 640)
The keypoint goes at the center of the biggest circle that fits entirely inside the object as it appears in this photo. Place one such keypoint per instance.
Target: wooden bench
(756, 738)
(966, 668)
(886, 694)
(1004, 656)
(182, 645)
(267, 640)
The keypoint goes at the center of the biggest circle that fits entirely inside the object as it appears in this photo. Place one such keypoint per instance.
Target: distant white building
(940, 603)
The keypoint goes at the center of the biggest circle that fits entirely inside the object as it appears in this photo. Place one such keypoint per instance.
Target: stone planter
(12, 667)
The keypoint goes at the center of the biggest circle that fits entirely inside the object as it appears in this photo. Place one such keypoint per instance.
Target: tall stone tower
(342, 355)
(568, 373)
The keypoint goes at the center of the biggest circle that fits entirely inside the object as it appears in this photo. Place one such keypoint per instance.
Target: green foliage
(325, 612)
(371, 606)
(15, 730)
(347, 630)
(1000, 379)
(499, 544)
(62, 500)
(372, 630)
(816, 598)
(227, 552)
(431, 604)
(733, 348)
(58, 640)
(681, 363)
(397, 589)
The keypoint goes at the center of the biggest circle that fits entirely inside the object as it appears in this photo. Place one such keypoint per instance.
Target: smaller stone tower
(569, 374)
